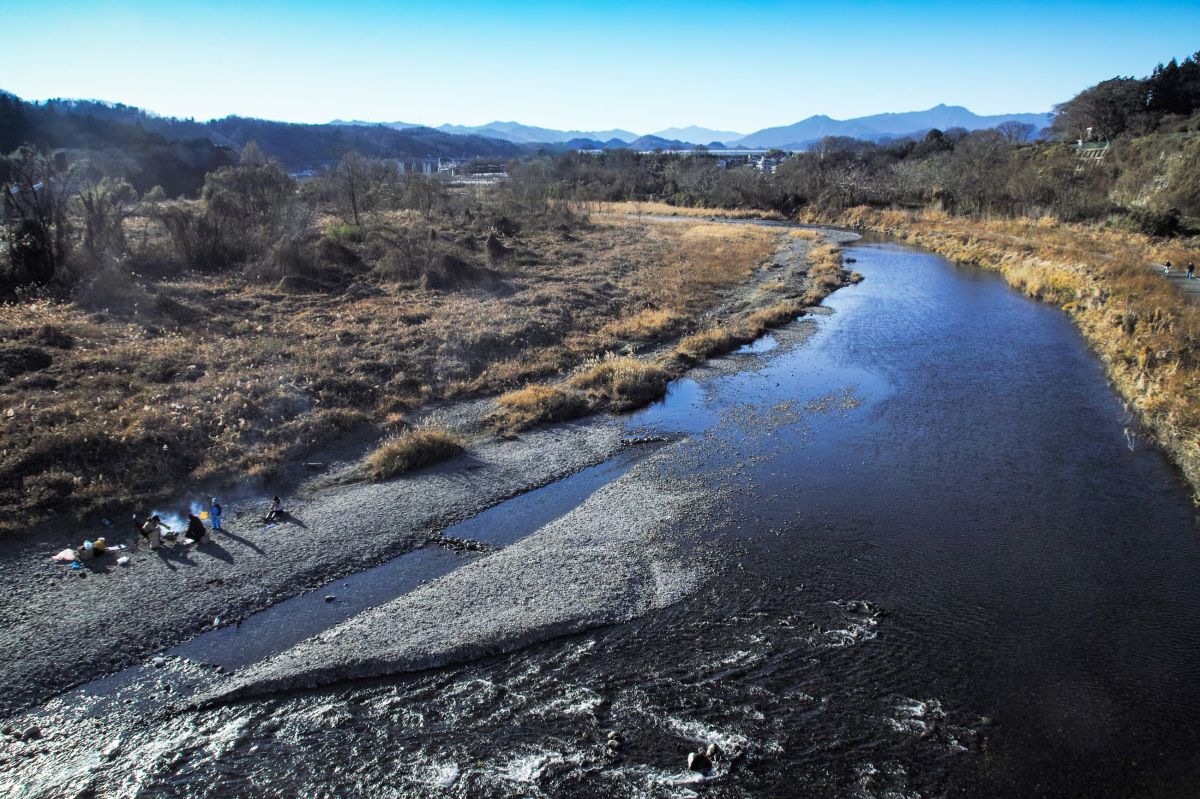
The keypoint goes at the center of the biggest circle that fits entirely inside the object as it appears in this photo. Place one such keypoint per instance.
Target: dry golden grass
(234, 377)
(651, 324)
(703, 259)
(621, 382)
(617, 382)
(711, 342)
(537, 403)
(412, 450)
(665, 209)
(808, 235)
(1145, 330)
(774, 316)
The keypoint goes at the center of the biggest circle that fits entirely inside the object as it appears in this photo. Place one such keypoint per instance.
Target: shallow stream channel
(928, 554)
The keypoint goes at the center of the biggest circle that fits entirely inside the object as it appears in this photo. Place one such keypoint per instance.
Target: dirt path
(1178, 279)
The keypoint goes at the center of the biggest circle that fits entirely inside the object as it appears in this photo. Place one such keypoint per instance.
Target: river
(944, 564)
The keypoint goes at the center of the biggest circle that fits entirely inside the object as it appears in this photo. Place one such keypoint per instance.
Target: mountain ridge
(797, 135)
(889, 124)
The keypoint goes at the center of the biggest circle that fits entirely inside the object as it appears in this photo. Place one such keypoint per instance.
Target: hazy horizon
(741, 66)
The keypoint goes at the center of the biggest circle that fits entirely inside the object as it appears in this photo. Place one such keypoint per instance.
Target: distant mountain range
(177, 153)
(881, 126)
(513, 132)
(698, 135)
(527, 134)
(798, 136)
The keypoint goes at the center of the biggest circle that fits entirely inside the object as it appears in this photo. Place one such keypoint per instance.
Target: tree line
(69, 222)
(66, 210)
(150, 150)
(1147, 130)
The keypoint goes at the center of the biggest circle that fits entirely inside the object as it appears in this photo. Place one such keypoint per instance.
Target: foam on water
(858, 626)
(574, 700)
(704, 734)
(440, 775)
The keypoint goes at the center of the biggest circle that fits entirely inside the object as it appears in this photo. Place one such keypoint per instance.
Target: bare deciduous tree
(36, 224)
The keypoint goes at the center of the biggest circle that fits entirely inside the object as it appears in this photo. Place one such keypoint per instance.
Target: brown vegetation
(412, 450)
(536, 403)
(621, 381)
(142, 385)
(653, 208)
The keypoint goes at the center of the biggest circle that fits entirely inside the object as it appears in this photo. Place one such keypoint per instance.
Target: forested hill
(175, 153)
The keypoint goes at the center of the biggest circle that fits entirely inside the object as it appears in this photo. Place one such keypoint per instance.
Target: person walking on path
(1191, 270)
(1167, 269)
(216, 514)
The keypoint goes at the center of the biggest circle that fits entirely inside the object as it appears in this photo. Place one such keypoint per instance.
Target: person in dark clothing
(196, 529)
(1191, 270)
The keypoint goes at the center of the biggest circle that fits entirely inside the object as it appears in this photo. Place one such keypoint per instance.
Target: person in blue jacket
(215, 511)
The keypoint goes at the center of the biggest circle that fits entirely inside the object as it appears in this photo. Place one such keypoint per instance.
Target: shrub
(525, 407)
(17, 359)
(54, 336)
(1155, 223)
(345, 234)
(649, 325)
(412, 450)
(623, 382)
(775, 316)
(709, 343)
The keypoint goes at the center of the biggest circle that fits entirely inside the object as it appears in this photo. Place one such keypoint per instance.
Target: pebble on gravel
(330, 597)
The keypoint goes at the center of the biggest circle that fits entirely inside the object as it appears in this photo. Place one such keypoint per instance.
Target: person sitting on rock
(195, 528)
(276, 512)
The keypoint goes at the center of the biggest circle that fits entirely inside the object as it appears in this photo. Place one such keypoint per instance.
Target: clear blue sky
(640, 66)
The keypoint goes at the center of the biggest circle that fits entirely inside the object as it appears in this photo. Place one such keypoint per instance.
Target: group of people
(1190, 271)
(155, 531)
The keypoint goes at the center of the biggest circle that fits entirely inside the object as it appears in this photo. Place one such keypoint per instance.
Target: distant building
(420, 166)
(767, 165)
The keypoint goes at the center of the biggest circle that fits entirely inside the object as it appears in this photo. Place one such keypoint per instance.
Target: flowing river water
(943, 564)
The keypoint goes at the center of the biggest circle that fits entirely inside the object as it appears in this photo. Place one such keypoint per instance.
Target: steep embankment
(1145, 331)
